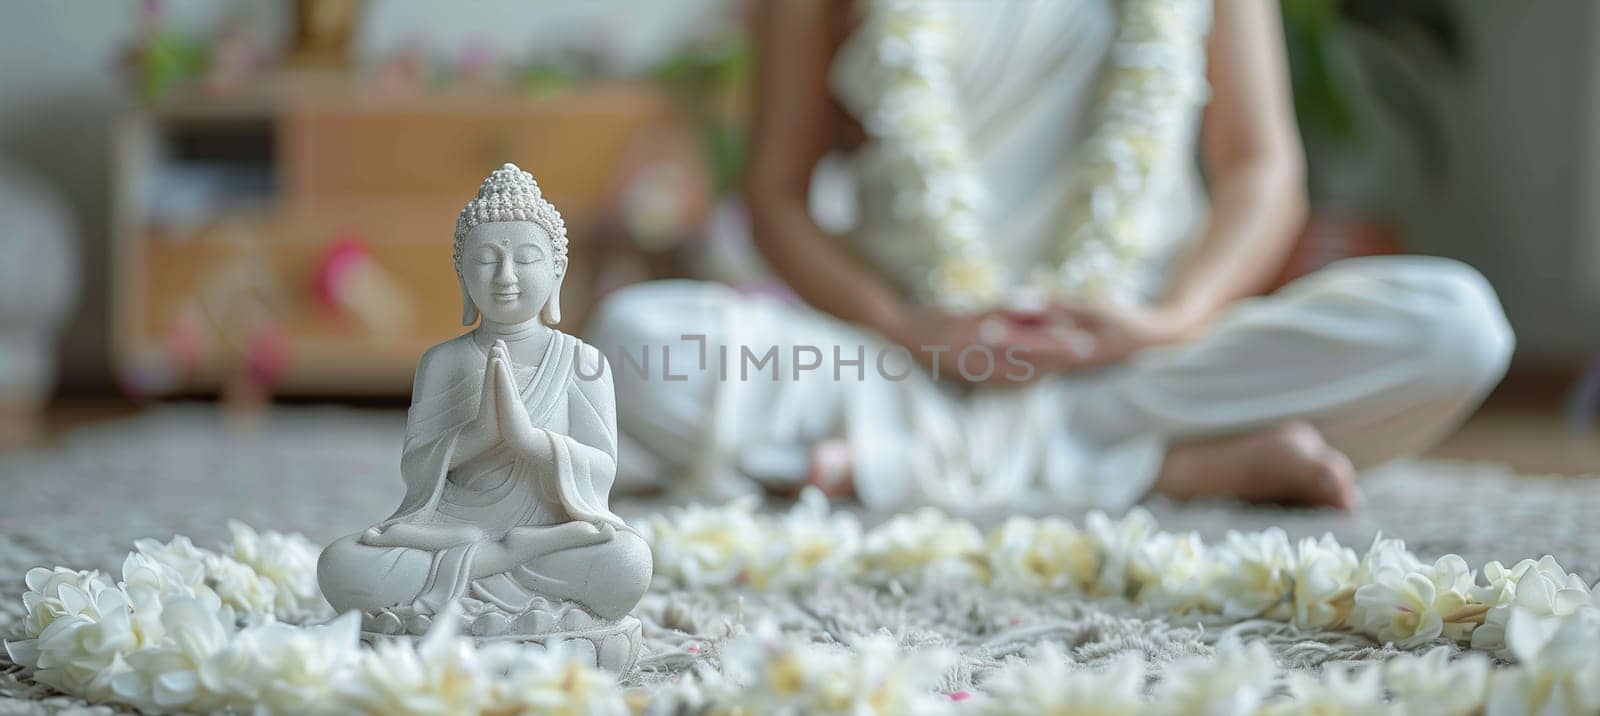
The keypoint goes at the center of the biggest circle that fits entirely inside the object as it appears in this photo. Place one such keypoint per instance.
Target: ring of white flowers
(195, 630)
(1151, 88)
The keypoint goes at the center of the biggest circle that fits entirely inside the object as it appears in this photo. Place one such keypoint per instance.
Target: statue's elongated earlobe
(469, 310)
(551, 313)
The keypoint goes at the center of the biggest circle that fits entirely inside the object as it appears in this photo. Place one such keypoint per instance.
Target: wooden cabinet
(311, 160)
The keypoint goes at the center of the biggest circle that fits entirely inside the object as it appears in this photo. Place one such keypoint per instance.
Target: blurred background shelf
(228, 213)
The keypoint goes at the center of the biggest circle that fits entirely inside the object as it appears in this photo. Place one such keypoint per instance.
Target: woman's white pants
(1385, 355)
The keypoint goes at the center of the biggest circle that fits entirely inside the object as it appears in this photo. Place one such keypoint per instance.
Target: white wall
(1525, 144)
(57, 99)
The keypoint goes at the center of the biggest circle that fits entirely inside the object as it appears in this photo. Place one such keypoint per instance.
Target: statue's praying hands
(500, 406)
(509, 456)
(502, 422)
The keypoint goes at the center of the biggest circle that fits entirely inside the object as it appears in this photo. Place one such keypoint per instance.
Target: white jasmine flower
(165, 676)
(1385, 552)
(1410, 609)
(440, 676)
(1559, 671)
(170, 567)
(1434, 685)
(1501, 585)
(883, 680)
(1356, 692)
(1042, 555)
(1542, 589)
(1174, 572)
(808, 544)
(53, 593)
(784, 676)
(1501, 591)
(705, 546)
(1451, 572)
(84, 626)
(750, 659)
(1047, 683)
(179, 567)
(701, 691)
(287, 561)
(925, 539)
(1237, 680)
(967, 278)
(1254, 574)
(239, 586)
(1118, 541)
(145, 575)
(1322, 572)
(277, 668)
(550, 681)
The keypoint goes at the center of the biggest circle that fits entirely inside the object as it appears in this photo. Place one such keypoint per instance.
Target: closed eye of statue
(529, 254)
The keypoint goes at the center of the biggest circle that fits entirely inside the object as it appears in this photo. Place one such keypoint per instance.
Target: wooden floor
(1530, 436)
(1529, 439)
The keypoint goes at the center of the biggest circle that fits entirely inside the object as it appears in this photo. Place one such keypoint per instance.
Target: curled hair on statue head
(511, 194)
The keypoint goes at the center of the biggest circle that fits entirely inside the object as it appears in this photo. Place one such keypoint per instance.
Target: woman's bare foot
(1289, 463)
(830, 470)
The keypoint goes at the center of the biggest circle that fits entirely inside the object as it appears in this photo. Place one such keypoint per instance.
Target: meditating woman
(1027, 184)
(509, 455)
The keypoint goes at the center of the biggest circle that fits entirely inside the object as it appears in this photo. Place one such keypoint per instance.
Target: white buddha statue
(510, 452)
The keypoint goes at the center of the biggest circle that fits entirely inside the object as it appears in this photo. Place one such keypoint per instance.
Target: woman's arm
(795, 125)
(1254, 163)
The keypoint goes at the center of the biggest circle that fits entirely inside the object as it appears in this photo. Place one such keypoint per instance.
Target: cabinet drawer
(573, 145)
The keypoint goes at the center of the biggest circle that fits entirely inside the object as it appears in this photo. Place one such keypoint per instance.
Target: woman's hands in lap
(1100, 335)
(1026, 345)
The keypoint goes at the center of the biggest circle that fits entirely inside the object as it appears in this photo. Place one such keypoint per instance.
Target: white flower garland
(195, 630)
(1154, 83)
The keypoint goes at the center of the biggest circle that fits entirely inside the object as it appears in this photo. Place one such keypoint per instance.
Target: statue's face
(510, 269)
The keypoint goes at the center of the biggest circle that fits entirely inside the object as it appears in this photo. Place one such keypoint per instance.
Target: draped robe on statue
(550, 516)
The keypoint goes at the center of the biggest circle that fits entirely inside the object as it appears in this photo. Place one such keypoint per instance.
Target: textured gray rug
(328, 472)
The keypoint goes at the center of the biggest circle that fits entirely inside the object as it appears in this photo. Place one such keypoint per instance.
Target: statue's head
(510, 251)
